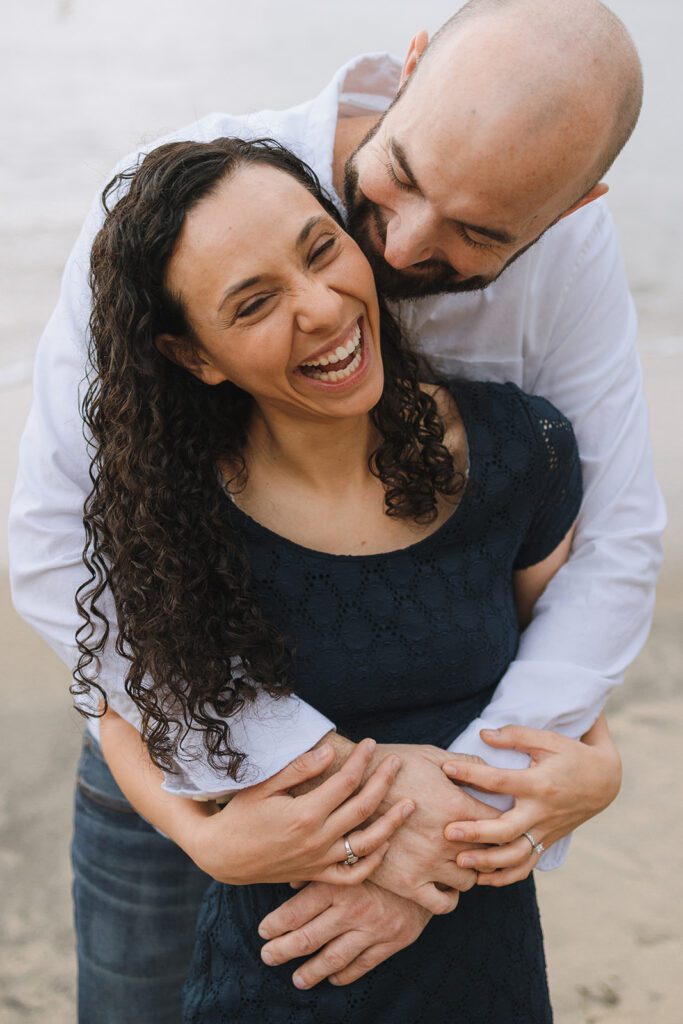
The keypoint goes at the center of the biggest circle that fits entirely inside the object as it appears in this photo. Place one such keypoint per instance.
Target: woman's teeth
(349, 355)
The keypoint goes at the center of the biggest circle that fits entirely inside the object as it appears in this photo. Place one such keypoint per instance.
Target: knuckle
(333, 960)
(366, 961)
(304, 942)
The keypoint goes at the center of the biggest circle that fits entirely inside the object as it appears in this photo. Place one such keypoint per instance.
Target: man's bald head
(504, 125)
(579, 52)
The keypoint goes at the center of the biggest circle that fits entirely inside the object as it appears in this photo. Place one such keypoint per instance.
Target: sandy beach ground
(85, 83)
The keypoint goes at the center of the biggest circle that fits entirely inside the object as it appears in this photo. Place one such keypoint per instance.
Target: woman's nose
(319, 308)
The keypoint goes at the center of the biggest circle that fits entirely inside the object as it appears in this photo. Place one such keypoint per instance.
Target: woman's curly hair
(159, 537)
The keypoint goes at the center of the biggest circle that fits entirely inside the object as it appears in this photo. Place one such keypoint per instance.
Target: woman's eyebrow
(308, 227)
(249, 282)
(241, 286)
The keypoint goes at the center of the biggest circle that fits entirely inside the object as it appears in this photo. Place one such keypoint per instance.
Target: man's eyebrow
(249, 282)
(399, 154)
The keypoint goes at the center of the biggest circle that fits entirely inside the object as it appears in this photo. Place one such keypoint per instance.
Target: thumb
(304, 767)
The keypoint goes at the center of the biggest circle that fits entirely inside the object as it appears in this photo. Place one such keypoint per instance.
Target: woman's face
(281, 300)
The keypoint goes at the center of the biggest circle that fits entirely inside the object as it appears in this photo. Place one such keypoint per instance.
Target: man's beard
(434, 277)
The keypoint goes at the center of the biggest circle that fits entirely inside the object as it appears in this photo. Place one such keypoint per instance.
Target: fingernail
(298, 981)
(267, 958)
(370, 745)
(395, 764)
(489, 732)
(322, 751)
(408, 810)
(455, 833)
(263, 932)
(451, 768)
(466, 862)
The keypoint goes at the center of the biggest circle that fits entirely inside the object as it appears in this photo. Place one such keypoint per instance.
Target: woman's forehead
(250, 220)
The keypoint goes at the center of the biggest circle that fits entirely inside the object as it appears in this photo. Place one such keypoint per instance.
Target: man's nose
(319, 307)
(409, 240)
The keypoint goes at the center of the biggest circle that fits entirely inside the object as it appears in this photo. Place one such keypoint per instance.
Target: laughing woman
(281, 504)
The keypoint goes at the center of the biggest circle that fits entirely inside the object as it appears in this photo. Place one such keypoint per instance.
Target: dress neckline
(472, 465)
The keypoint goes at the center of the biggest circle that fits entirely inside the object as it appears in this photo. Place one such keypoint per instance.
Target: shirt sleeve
(559, 482)
(595, 614)
(46, 541)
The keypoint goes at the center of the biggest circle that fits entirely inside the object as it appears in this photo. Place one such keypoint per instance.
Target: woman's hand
(568, 782)
(267, 835)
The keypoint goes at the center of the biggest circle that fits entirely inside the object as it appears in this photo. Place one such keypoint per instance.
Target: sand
(86, 88)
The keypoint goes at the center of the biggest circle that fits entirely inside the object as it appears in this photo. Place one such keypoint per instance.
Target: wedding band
(535, 847)
(351, 857)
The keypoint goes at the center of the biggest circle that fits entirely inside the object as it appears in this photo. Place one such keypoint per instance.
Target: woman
(315, 517)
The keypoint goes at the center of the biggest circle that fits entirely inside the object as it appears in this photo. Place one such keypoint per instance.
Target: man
(473, 195)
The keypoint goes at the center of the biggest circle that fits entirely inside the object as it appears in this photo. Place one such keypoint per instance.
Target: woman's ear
(185, 353)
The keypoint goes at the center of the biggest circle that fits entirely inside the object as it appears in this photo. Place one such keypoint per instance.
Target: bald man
(470, 178)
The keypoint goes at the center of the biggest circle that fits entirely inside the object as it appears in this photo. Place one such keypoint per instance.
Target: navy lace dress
(408, 647)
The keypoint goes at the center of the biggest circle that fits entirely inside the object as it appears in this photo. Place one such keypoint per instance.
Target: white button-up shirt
(559, 322)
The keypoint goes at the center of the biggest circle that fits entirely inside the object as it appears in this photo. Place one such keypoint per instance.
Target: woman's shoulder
(516, 428)
(502, 406)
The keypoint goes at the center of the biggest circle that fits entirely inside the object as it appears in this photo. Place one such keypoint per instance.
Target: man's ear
(601, 189)
(418, 45)
(185, 353)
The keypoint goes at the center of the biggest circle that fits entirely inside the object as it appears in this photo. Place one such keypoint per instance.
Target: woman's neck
(323, 457)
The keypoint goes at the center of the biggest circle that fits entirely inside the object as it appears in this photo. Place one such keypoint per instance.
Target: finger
(493, 858)
(453, 876)
(512, 781)
(367, 840)
(508, 876)
(353, 874)
(437, 901)
(330, 794)
(303, 941)
(335, 957)
(296, 911)
(520, 737)
(357, 809)
(372, 957)
(304, 767)
(505, 829)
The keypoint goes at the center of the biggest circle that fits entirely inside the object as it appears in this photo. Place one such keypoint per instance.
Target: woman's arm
(264, 834)
(530, 583)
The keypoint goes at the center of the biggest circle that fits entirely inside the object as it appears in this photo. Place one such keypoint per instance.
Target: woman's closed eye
(253, 306)
(320, 250)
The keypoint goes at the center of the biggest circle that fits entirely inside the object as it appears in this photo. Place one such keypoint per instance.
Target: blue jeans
(136, 898)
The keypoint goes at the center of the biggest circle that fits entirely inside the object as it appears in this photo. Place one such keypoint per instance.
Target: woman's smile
(341, 364)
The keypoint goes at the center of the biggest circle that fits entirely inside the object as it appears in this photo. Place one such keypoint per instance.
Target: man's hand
(420, 862)
(351, 930)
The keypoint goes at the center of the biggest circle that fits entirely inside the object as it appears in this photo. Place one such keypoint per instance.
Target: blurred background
(85, 83)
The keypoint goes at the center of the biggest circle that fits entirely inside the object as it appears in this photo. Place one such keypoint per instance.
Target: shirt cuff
(271, 732)
(470, 742)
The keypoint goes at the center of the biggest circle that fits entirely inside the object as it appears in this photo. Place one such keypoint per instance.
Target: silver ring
(535, 847)
(351, 857)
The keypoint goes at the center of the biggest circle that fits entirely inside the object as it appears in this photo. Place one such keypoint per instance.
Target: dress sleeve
(559, 488)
